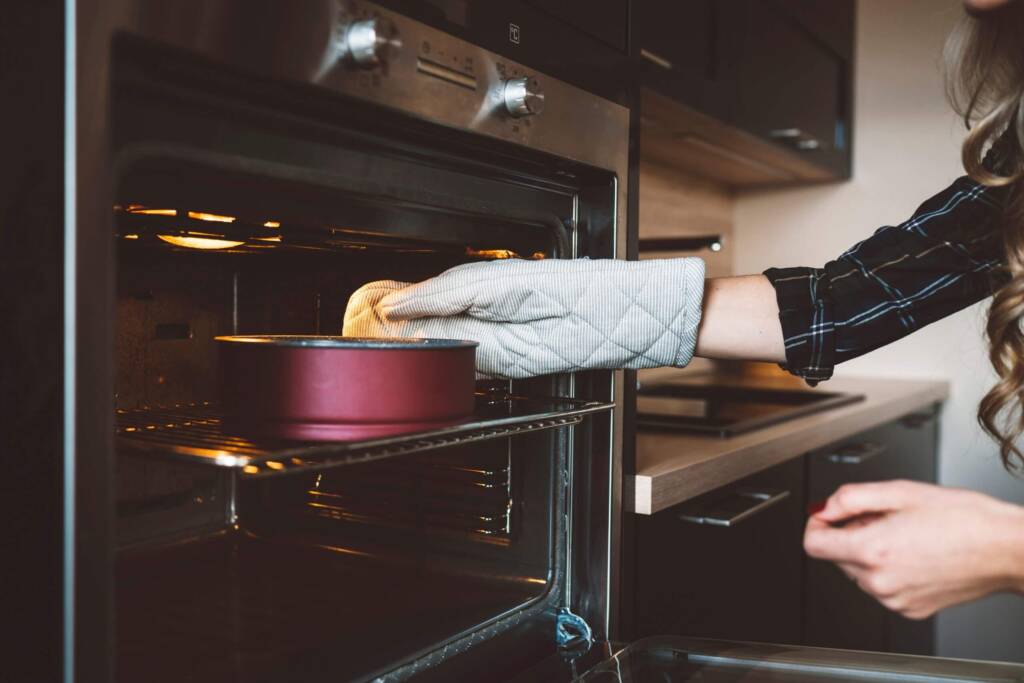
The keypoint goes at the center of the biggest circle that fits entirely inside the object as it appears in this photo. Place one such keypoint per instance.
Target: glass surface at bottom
(341, 575)
(679, 660)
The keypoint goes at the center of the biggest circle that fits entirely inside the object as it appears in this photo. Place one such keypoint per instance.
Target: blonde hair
(985, 83)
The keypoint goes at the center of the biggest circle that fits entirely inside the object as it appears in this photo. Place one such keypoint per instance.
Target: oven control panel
(371, 53)
(384, 57)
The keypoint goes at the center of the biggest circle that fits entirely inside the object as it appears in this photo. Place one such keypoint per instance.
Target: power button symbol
(513, 33)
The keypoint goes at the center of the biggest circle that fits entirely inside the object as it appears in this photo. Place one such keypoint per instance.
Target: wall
(906, 148)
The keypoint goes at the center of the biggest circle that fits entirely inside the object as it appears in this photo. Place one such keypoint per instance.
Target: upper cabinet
(674, 44)
(746, 92)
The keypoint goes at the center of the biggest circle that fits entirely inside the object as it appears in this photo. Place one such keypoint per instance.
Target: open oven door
(671, 659)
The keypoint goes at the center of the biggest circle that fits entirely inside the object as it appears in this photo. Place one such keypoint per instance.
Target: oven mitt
(540, 317)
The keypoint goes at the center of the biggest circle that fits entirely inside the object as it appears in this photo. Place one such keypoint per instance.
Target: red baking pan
(315, 388)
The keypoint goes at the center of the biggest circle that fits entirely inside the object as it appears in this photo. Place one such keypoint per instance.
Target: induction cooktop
(727, 411)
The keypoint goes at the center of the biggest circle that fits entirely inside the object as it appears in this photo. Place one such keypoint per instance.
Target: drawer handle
(857, 454)
(762, 500)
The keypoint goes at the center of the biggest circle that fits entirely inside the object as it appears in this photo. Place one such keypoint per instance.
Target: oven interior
(250, 560)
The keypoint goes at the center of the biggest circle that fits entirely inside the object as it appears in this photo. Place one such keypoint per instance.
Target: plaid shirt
(945, 257)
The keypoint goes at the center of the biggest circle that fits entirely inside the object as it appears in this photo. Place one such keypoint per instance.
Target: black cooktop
(726, 411)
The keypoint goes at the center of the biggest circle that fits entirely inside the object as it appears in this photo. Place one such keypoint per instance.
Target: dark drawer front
(836, 612)
(741, 581)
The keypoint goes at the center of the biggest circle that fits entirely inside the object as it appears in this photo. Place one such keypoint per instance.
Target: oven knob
(365, 42)
(523, 96)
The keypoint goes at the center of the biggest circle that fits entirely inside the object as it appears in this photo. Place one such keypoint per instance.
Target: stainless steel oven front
(242, 167)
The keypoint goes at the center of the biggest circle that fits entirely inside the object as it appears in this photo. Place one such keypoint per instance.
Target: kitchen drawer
(836, 612)
(741, 581)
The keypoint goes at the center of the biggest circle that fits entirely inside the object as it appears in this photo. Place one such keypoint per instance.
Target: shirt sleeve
(945, 257)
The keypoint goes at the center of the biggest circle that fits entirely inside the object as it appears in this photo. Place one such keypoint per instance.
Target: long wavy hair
(985, 83)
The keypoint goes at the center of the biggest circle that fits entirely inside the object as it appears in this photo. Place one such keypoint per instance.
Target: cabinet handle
(857, 454)
(762, 500)
(797, 138)
(786, 133)
(655, 58)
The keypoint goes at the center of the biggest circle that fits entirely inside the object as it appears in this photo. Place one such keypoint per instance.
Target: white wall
(906, 148)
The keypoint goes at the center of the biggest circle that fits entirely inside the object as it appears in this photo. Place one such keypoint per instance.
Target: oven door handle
(756, 502)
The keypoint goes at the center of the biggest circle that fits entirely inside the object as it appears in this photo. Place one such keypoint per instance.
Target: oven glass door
(685, 660)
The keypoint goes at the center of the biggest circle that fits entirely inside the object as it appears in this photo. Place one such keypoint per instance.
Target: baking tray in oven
(193, 432)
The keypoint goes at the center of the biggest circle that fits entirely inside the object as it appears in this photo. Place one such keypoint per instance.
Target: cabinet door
(607, 20)
(836, 612)
(677, 48)
(741, 581)
(790, 86)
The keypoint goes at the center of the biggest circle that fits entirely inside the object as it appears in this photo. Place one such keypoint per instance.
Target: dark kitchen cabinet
(676, 48)
(741, 581)
(831, 23)
(836, 612)
(730, 564)
(607, 21)
(791, 86)
(763, 87)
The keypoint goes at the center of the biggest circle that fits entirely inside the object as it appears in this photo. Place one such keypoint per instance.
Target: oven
(240, 167)
(250, 165)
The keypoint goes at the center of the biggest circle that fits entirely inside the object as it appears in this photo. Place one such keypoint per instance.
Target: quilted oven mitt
(540, 317)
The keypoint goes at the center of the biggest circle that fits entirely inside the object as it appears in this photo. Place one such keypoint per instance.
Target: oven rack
(191, 432)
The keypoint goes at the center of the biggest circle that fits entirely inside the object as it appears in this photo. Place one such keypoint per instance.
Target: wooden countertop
(672, 467)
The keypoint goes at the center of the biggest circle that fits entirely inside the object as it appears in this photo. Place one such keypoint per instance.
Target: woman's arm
(945, 257)
(741, 320)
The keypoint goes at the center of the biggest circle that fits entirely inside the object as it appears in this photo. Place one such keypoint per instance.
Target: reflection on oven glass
(357, 565)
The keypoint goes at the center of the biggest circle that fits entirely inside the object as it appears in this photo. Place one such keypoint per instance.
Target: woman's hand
(919, 548)
(541, 317)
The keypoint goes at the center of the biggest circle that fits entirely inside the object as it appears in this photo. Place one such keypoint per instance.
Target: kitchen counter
(673, 467)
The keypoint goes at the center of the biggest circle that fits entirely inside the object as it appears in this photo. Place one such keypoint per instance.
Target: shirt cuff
(806, 314)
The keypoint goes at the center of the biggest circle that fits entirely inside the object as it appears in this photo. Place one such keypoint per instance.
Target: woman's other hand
(919, 548)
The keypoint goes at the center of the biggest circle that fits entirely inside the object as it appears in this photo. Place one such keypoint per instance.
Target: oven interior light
(272, 224)
(213, 217)
(200, 242)
(131, 236)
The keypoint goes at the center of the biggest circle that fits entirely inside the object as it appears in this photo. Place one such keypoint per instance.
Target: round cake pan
(315, 388)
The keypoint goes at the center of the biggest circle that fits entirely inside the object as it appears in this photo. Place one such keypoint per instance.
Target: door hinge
(571, 631)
